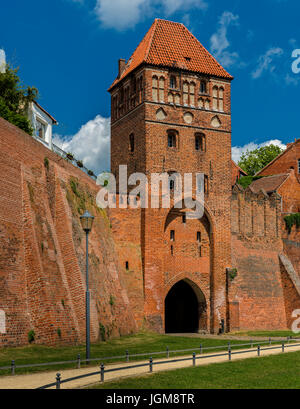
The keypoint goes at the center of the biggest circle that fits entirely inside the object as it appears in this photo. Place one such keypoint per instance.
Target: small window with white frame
(40, 129)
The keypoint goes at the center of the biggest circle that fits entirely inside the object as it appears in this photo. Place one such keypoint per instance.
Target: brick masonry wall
(261, 296)
(42, 259)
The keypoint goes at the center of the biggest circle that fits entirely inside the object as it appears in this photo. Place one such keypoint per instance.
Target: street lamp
(86, 221)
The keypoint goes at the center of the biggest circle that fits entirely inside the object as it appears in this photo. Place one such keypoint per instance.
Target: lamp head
(86, 221)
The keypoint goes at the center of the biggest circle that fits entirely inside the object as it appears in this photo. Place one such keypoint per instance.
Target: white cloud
(265, 62)
(219, 42)
(124, 14)
(237, 151)
(91, 144)
(2, 61)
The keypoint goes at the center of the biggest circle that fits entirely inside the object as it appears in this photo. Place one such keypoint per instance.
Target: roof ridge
(278, 156)
(154, 25)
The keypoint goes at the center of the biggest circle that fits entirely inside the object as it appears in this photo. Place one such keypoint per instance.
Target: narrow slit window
(131, 142)
(198, 236)
(172, 251)
(184, 218)
(127, 265)
(299, 166)
(172, 235)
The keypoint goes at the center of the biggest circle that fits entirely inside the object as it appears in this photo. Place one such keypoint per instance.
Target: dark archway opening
(181, 309)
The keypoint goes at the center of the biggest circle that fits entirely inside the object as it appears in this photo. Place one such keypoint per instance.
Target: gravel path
(33, 381)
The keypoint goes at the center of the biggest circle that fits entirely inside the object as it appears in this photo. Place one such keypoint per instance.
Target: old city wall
(42, 253)
(256, 297)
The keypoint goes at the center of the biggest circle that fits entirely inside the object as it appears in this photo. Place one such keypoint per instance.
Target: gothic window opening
(185, 93)
(161, 89)
(200, 142)
(173, 82)
(203, 87)
(221, 99)
(207, 104)
(155, 89)
(215, 98)
(171, 140)
(192, 94)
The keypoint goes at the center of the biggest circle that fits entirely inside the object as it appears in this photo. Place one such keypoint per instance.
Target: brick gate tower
(170, 112)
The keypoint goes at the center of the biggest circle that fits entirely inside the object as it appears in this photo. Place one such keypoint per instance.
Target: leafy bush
(291, 220)
(14, 99)
(31, 336)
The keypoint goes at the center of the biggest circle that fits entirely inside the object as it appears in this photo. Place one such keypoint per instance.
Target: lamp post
(86, 221)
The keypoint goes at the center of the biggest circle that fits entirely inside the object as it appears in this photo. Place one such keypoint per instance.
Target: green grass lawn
(279, 333)
(271, 372)
(138, 343)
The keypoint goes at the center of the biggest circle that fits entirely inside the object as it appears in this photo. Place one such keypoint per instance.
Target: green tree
(253, 161)
(14, 99)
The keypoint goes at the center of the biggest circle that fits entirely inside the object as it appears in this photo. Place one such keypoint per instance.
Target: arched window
(172, 81)
(192, 93)
(215, 98)
(203, 87)
(171, 139)
(161, 89)
(185, 93)
(177, 99)
(155, 89)
(200, 142)
(200, 103)
(221, 99)
(131, 142)
(207, 104)
(170, 98)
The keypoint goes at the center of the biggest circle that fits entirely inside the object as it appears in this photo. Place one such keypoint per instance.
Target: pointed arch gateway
(185, 308)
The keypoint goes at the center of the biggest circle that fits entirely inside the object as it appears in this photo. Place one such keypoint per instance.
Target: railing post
(282, 347)
(229, 353)
(13, 367)
(127, 356)
(194, 359)
(151, 364)
(201, 349)
(270, 342)
(58, 381)
(251, 343)
(78, 361)
(168, 353)
(102, 372)
(258, 350)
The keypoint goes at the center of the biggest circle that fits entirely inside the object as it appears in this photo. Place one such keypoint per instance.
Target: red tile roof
(171, 44)
(269, 183)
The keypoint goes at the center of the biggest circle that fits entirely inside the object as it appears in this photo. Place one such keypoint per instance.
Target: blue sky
(69, 50)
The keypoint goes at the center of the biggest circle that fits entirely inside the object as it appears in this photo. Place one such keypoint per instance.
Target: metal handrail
(151, 363)
(13, 365)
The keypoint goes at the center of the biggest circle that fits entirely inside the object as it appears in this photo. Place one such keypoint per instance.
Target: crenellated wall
(256, 298)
